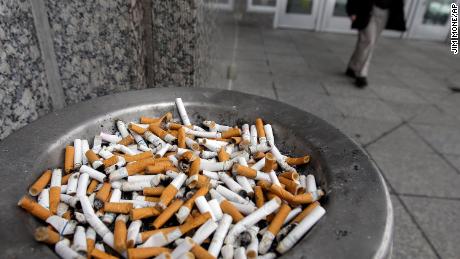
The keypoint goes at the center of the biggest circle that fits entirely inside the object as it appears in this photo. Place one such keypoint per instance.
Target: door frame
(250, 7)
(298, 21)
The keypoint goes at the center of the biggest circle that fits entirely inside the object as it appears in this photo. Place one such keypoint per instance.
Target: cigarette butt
(201, 253)
(264, 184)
(305, 212)
(167, 214)
(90, 243)
(194, 167)
(298, 160)
(136, 128)
(148, 120)
(153, 191)
(174, 126)
(270, 162)
(55, 194)
(69, 159)
(126, 141)
(278, 221)
(282, 193)
(290, 175)
(181, 138)
(142, 213)
(46, 235)
(230, 209)
(188, 156)
(290, 185)
(140, 156)
(157, 168)
(103, 193)
(146, 252)
(173, 132)
(161, 133)
(197, 181)
(245, 171)
(259, 194)
(120, 234)
(92, 186)
(146, 234)
(196, 222)
(234, 132)
(110, 161)
(222, 155)
(167, 196)
(91, 156)
(98, 254)
(65, 179)
(34, 208)
(139, 166)
(41, 183)
(118, 207)
(260, 128)
(308, 197)
(259, 155)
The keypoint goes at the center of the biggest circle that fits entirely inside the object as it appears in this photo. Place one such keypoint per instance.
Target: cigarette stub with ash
(164, 187)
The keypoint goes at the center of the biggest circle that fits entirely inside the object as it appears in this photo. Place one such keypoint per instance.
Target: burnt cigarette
(84, 149)
(55, 190)
(294, 236)
(260, 130)
(69, 159)
(184, 211)
(171, 190)
(120, 234)
(62, 248)
(93, 159)
(44, 198)
(308, 197)
(252, 219)
(223, 155)
(213, 145)
(298, 160)
(79, 240)
(200, 253)
(118, 207)
(259, 196)
(211, 175)
(291, 186)
(281, 160)
(192, 144)
(202, 134)
(219, 235)
(77, 159)
(90, 240)
(213, 126)
(182, 112)
(274, 228)
(164, 135)
(141, 213)
(253, 247)
(146, 252)
(188, 226)
(94, 174)
(153, 191)
(91, 187)
(269, 134)
(230, 195)
(99, 254)
(97, 143)
(269, 163)
(230, 209)
(204, 231)
(40, 183)
(245, 135)
(114, 197)
(230, 183)
(251, 173)
(167, 214)
(72, 183)
(233, 132)
(245, 209)
(69, 200)
(133, 232)
(46, 235)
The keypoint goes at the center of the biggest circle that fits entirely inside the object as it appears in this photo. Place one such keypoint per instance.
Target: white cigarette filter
(122, 128)
(269, 134)
(203, 206)
(252, 219)
(215, 208)
(253, 132)
(182, 112)
(94, 174)
(297, 233)
(77, 160)
(62, 248)
(204, 231)
(63, 226)
(231, 184)
(79, 240)
(253, 247)
(219, 235)
(109, 137)
(84, 149)
(72, 184)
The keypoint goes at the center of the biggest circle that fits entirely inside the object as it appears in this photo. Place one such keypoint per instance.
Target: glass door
(220, 4)
(264, 6)
(431, 20)
(299, 14)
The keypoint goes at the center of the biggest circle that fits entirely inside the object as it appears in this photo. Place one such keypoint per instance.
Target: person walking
(371, 17)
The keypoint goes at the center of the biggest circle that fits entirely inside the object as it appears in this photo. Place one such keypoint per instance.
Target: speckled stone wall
(23, 88)
(98, 46)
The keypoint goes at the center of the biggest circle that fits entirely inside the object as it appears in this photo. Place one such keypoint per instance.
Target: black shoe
(361, 82)
(350, 73)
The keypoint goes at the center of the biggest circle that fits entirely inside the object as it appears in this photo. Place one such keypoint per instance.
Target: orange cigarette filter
(90, 243)
(128, 140)
(175, 126)
(291, 186)
(167, 196)
(181, 138)
(67, 215)
(270, 162)
(120, 235)
(201, 253)
(222, 155)
(152, 199)
(158, 131)
(173, 132)
(104, 193)
(196, 222)
(159, 168)
(34, 208)
(55, 197)
(188, 156)
(146, 252)
(282, 193)
(153, 191)
(264, 184)
(200, 192)
(303, 198)
(236, 140)
(233, 132)
(142, 213)
(68, 159)
(65, 179)
(199, 181)
(46, 235)
(41, 183)
(298, 160)
(140, 156)
(118, 207)
(305, 212)
(290, 175)
(194, 167)
(136, 128)
(110, 161)
(91, 156)
(148, 120)
(260, 128)
(259, 194)
(139, 166)
(230, 209)
(279, 218)
(92, 186)
(259, 155)
(167, 214)
(146, 234)
(98, 254)
(245, 171)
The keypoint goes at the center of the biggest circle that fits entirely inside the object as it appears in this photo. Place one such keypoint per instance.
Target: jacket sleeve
(352, 7)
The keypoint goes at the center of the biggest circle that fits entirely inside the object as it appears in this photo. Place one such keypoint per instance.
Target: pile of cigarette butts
(159, 188)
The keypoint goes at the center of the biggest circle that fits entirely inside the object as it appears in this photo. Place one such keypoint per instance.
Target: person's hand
(353, 17)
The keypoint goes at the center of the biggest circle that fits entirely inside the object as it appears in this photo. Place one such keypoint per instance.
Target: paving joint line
(386, 133)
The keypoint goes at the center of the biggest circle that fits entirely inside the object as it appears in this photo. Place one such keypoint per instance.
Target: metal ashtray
(359, 218)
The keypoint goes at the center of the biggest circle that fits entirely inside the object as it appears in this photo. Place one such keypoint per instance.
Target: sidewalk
(407, 119)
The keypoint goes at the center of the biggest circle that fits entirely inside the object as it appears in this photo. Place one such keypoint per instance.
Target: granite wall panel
(23, 89)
